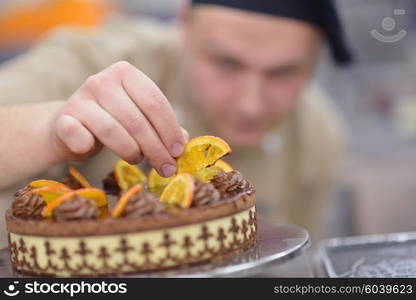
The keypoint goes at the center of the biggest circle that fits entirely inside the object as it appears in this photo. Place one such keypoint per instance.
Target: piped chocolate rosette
(71, 199)
(152, 215)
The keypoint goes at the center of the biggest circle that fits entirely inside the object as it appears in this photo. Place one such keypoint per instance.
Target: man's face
(246, 69)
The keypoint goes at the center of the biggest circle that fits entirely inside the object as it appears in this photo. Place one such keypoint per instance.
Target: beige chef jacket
(293, 170)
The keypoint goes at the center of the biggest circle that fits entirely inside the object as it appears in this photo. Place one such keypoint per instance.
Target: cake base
(276, 244)
(122, 246)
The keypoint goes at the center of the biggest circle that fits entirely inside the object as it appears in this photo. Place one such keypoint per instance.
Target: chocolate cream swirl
(205, 193)
(110, 185)
(143, 203)
(71, 182)
(76, 208)
(231, 183)
(27, 205)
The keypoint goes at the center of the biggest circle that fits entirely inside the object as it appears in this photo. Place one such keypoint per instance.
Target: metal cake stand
(277, 243)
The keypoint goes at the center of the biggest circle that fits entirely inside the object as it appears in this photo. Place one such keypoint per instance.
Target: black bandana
(320, 13)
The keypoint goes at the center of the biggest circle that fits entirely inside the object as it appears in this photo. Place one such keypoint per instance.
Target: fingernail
(168, 170)
(177, 149)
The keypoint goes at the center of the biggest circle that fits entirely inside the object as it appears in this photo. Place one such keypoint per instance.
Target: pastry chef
(238, 69)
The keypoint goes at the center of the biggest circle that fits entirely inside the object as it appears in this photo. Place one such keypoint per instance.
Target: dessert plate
(277, 243)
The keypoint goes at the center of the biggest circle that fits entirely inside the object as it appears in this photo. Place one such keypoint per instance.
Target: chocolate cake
(80, 238)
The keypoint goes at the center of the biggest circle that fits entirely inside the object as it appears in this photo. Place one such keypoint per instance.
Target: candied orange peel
(79, 177)
(90, 193)
(122, 202)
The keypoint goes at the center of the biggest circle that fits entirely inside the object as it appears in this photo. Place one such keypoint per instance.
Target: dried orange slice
(51, 192)
(156, 183)
(122, 202)
(127, 175)
(95, 194)
(90, 193)
(207, 174)
(226, 167)
(154, 179)
(179, 191)
(78, 176)
(202, 152)
(44, 182)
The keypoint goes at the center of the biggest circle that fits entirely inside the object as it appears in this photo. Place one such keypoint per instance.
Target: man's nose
(251, 97)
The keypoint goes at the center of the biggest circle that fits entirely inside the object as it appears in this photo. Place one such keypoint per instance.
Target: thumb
(73, 140)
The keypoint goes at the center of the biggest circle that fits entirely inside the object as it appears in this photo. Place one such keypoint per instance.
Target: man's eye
(228, 64)
(283, 72)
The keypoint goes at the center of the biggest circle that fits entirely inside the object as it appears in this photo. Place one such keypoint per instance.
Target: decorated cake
(136, 222)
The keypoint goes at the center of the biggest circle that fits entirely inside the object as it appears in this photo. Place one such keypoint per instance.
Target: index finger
(157, 109)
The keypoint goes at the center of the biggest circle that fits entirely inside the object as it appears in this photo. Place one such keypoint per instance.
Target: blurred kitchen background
(377, 97)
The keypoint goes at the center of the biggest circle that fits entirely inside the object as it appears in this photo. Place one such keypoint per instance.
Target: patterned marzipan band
(133, 252)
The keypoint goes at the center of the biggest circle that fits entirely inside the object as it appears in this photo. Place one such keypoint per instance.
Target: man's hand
(122, 109)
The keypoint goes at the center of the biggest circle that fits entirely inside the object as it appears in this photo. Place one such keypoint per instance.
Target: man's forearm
(25, 140)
